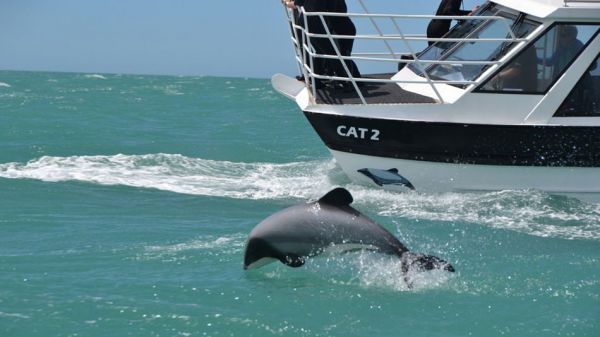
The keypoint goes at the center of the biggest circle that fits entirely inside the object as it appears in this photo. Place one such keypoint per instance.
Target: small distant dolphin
(386, 177)
(306, 230)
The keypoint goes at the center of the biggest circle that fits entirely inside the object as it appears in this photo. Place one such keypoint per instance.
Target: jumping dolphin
(295, 233)
(386, 177)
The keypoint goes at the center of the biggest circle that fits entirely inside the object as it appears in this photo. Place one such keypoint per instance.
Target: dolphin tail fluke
(423, 262)
(293, 260)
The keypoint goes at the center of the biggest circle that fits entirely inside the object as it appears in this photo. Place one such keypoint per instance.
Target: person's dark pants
(345, 26)
(323, 46)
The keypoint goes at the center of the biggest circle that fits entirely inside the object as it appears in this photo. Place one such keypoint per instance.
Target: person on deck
(337, 25)
(439, 27)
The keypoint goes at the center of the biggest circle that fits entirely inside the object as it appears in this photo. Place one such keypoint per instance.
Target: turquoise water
(125, 202)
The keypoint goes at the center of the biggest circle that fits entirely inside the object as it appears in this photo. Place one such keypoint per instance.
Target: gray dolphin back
(306, 230)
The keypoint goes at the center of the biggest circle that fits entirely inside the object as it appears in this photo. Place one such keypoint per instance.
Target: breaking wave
(531, 212)
(4, 85)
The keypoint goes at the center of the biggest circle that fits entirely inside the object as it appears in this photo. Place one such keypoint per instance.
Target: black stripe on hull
(478, 144)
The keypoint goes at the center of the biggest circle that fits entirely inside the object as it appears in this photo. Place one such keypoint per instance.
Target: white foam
(4, 85)
(180, 174)
(531, 212)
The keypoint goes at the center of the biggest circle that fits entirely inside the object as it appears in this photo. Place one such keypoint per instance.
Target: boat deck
(374, 93)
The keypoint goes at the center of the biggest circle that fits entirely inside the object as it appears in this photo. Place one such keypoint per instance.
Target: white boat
(508, 99)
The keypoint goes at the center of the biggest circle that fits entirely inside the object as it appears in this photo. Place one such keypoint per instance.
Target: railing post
(298, 49)
(309, 49)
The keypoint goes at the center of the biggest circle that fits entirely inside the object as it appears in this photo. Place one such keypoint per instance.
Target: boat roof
(556, 9)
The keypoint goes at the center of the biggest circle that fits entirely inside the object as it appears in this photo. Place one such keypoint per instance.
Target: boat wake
(180, 174)
(531, 212)
(527, 211)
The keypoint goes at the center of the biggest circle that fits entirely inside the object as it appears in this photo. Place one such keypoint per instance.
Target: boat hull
(443, 177)
(444, 157)
(461, 143)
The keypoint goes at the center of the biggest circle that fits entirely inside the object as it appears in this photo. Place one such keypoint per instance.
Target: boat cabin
(541, 55)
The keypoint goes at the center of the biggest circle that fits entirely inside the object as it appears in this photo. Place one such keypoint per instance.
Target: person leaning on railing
(437, 28)
(337, 25)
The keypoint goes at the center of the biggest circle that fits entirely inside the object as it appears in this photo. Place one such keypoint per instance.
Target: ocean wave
(227, 244)
(169, 90)
(14, 315)
(4, 85)
(530, 212)
(235, 241)
(96, 76)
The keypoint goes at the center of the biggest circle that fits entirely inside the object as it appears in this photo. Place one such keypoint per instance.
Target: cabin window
(584, 99)
(540, 65)
(479, 50)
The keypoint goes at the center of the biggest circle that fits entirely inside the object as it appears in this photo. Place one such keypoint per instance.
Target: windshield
(473, 50)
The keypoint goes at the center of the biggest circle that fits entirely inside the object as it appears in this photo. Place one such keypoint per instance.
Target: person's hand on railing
(473, 11)
(289, 3)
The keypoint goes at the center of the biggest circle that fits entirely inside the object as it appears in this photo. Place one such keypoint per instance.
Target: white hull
(582, 182)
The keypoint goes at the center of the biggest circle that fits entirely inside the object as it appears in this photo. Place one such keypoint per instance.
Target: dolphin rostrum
(295, 233)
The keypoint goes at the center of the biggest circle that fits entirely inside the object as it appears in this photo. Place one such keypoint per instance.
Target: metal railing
(305, 51)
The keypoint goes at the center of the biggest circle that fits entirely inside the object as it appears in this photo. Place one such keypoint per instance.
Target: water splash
(364, 269)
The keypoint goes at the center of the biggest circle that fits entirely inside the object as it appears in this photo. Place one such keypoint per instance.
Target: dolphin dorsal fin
(393, 170)
(337, 197)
